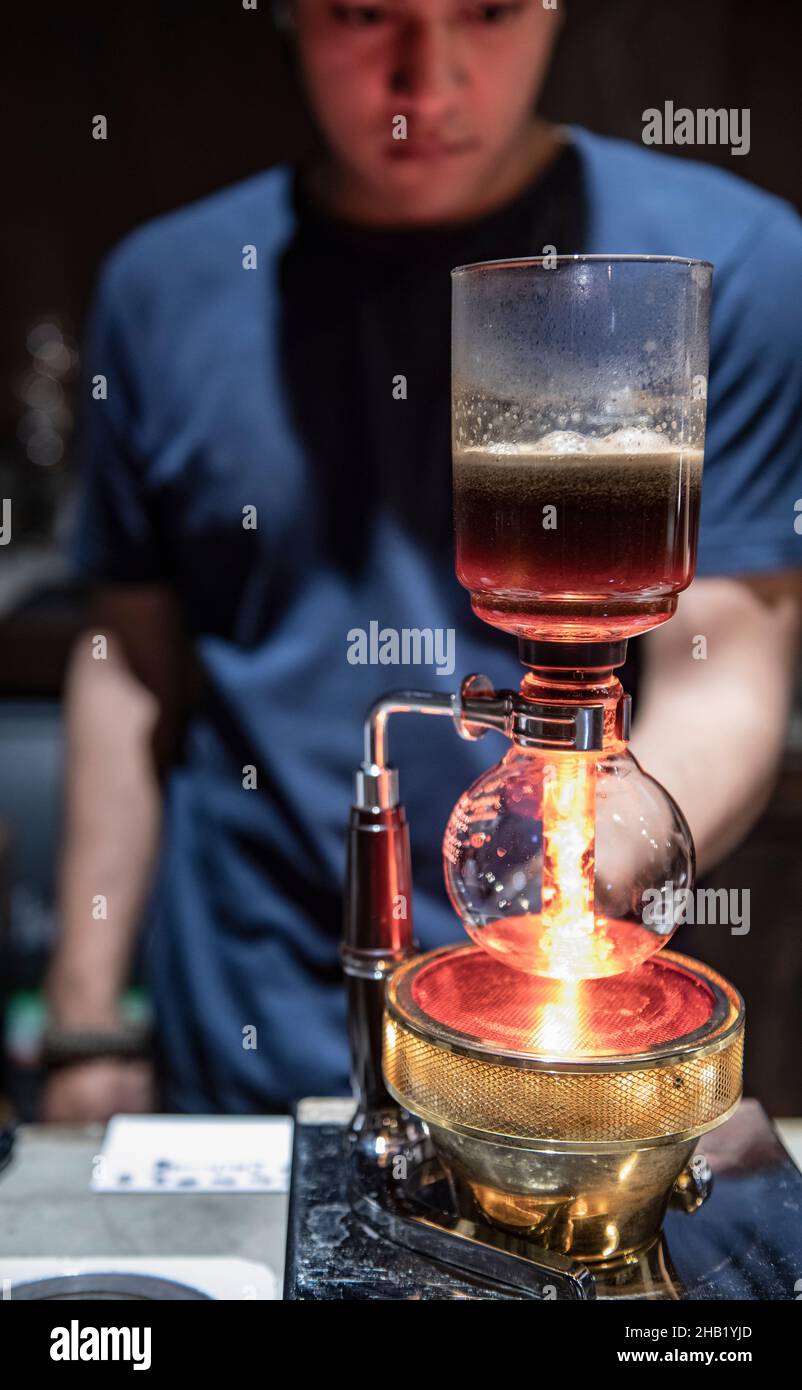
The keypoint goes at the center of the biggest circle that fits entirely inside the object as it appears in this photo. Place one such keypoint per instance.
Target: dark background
(200, 94)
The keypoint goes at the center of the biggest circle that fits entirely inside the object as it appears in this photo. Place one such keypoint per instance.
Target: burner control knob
(693, 1186)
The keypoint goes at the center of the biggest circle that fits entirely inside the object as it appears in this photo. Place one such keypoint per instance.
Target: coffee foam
(569, 443)
(603, 470)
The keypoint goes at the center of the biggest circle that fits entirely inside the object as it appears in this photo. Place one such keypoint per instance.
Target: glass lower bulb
(566, 864)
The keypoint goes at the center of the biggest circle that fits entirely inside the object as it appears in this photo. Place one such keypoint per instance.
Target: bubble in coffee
(577, 538)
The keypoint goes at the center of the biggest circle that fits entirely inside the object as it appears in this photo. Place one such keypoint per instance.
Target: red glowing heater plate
(469, 993)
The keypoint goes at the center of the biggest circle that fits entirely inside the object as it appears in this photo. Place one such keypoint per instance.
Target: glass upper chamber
(578, 418)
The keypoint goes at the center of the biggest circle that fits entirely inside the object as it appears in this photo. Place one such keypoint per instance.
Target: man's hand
(94, 1091)
(714, 702)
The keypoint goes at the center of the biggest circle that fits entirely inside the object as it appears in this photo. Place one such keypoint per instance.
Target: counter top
(48, 1209)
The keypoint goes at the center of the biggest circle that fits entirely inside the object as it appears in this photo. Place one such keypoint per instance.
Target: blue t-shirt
(272, 388)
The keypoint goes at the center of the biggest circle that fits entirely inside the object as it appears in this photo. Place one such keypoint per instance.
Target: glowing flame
(569, 941)
(558, 1022)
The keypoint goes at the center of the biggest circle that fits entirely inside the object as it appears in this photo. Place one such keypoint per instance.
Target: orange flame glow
(569, 942)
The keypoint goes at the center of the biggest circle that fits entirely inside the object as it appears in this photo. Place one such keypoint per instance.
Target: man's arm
(712, 729)
(123, 715)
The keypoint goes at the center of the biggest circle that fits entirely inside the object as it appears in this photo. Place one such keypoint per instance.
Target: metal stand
(412, 1201)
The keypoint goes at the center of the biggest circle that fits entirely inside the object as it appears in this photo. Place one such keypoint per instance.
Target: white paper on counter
(219, 1278)
(187, 1153)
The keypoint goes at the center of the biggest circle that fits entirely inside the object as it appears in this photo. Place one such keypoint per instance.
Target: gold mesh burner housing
(673, 1090)
(575, 1151)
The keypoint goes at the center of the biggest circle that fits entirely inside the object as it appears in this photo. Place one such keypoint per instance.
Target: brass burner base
(593, 1206)
(578, 1153)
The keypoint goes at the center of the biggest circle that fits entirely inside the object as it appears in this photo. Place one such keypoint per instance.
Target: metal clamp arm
(475, 708)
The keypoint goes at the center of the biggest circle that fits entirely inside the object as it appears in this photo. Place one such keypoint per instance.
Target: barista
(255, 487)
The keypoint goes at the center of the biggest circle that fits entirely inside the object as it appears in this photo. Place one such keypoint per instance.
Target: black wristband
(64, 1047)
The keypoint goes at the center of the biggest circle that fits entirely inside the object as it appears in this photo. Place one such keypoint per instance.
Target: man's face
(465, 76)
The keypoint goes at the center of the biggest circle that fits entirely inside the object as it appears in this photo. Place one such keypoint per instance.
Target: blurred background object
(198, 95)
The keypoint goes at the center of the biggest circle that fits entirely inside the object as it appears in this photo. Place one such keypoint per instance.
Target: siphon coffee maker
(529, 1101)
